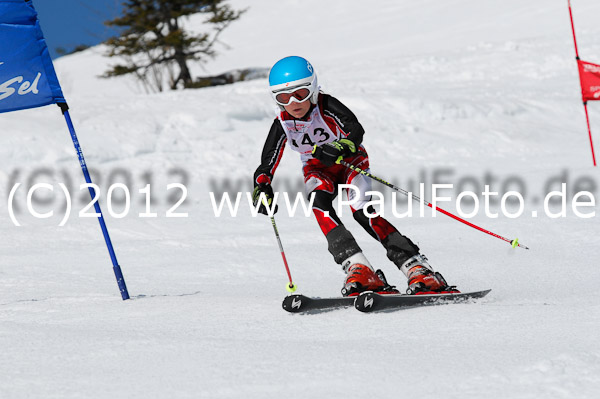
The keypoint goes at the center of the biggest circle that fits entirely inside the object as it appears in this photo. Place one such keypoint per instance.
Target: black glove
(334, 152)
(268, 190)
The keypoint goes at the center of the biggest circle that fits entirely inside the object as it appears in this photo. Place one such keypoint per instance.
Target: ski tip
(293, 303)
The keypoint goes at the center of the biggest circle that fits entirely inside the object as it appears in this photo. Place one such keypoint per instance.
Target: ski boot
(422, 279)
(361, 277)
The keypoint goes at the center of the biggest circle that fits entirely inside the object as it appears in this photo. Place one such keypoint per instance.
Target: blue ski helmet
(291, 73)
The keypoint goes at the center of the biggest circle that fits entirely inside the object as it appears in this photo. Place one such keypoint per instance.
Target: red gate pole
(573, 29)
(587, 118)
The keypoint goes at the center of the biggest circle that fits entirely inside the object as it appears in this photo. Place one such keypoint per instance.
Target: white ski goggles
(294, 94)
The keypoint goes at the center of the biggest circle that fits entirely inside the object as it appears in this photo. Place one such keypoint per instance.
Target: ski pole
(515, 243)
(291, 287)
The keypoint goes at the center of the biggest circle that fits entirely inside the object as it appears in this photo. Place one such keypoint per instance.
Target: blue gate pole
(86, 174)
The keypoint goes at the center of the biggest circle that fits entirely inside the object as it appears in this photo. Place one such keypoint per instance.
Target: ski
(298, 303)
(370, 301)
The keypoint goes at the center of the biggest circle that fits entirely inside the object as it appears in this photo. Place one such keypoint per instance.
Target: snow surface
(463, 88)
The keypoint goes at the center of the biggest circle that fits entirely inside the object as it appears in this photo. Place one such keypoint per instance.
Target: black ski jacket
(335, 115)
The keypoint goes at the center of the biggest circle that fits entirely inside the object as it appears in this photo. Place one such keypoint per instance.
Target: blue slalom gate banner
(28, 80)
(27, 76)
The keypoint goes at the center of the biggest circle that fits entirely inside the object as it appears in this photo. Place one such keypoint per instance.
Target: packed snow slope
(464, 92)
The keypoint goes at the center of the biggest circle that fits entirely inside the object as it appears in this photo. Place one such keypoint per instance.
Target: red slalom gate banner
(589, 79)
(589, 75)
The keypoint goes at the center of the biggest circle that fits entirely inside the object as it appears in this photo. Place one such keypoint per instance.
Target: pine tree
(155, 47)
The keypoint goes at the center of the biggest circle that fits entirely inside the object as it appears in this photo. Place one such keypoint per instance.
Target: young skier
(323, 131)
